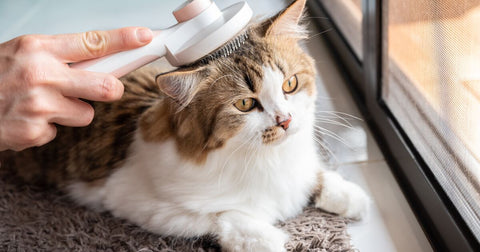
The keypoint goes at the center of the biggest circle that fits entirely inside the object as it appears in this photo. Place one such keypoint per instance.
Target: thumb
(93, 44)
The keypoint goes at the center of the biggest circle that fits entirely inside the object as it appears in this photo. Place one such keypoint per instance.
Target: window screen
(431, 84)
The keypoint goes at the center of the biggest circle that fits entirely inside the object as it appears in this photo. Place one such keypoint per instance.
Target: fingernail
(144, 35)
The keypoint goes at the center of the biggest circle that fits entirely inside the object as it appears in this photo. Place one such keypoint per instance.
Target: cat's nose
(283, 121)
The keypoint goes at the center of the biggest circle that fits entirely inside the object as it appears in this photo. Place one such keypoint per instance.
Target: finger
(72, 112)
(93, 44)
(49, 133)
(91, 86)
(34, 134)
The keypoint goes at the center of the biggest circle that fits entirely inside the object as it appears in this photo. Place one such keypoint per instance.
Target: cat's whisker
(319, 114)
(331, 134)
(233, 152)
(337, 113)
(253, 151)
(254, 147)
(228, 160)
(325, 147)
(230, 156)
(334, 136)
(320, 33)
(246, 166)
(333, 114)
(325, 97)
(310, 17)
(333, 122)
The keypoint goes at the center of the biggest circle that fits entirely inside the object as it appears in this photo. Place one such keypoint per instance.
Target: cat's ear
(287, 22)
(182, 85)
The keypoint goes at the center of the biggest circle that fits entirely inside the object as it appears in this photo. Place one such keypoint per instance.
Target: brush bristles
(227, 49)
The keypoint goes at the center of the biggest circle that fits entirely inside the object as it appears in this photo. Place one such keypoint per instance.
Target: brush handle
(124, 62)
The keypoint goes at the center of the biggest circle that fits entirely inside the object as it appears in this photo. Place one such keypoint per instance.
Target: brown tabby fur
(198, 126)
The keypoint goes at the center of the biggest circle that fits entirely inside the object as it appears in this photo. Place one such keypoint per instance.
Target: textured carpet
(38, 219)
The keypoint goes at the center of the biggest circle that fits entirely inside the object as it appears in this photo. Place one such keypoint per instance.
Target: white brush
(202, 30)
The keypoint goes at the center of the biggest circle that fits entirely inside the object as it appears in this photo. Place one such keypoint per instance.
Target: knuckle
(87, 116)
(19, 147)
(47, 134)
(52, 133)
(33, 134)
(28, 43)
(110, 89)
(35, 105)
(126, 38)
(95, 43)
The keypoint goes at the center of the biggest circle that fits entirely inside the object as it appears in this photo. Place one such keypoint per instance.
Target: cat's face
(264, 98)
(261, 94)
(281, 106)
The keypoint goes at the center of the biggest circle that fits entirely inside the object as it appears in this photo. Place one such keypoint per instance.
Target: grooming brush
(201, 32)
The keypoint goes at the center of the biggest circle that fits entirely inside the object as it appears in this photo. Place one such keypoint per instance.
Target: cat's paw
(342, 197)
(257, 239)
(250, 235)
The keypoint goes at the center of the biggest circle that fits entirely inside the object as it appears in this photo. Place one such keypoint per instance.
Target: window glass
(431, 84)
(347, 16)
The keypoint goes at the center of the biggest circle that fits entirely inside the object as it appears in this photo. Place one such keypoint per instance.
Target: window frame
(444, 227)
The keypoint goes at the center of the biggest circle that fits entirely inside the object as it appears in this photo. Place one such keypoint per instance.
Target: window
(431, 83)
(348, 17)
(414, 67)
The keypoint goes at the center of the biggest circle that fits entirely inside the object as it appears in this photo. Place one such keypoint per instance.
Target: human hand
(38, 89)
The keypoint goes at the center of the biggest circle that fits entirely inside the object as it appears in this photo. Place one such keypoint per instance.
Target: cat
(223, 147)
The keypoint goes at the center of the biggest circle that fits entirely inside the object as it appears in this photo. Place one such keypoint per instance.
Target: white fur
(238, 193)
(342, 197)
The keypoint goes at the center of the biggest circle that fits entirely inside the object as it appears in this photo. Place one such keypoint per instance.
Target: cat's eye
(246, 104)
(290, 85)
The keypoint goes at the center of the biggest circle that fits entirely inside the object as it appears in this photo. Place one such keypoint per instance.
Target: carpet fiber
(37, 219)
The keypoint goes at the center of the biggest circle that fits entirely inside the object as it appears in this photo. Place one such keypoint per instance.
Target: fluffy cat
(224, 147)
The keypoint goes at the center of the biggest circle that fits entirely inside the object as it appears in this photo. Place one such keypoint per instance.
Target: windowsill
(391, 225)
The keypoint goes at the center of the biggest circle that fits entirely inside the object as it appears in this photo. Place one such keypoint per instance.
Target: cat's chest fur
(271, 183)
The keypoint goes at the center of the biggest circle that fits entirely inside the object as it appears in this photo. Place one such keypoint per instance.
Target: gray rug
(39, 219)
